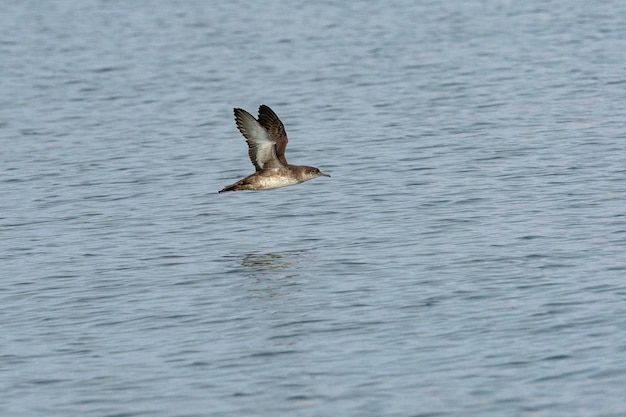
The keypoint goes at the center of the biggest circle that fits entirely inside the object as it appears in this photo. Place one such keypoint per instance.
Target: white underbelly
(277, 182)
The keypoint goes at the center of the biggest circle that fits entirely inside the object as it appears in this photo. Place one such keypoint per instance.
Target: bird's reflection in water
(272, 264)
(272, 260)
(272, 274)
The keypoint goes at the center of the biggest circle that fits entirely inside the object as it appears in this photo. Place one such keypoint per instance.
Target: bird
(267, 141)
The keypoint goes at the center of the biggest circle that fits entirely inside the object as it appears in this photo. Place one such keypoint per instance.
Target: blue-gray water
(467, 257)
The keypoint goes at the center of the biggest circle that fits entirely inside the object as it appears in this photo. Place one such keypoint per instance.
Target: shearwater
(267, 141)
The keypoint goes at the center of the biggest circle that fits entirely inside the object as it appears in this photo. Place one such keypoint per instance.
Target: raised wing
(275, 128)
(261, 146)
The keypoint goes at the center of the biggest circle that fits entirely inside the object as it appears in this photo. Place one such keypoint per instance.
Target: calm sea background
(467, 257)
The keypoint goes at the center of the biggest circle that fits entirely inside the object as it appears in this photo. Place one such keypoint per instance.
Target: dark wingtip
(264, 108)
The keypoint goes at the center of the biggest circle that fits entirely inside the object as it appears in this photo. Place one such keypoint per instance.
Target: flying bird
(267, 141)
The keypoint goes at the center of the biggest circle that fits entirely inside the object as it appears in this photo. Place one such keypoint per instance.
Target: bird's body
(267, 141)
(265, 179)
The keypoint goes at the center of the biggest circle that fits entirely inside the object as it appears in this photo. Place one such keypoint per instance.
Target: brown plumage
(276, 129)
(267, 142)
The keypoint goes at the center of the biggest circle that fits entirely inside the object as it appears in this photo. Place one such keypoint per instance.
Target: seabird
(267, 141)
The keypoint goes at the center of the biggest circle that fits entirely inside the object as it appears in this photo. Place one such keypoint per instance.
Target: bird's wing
(261, 146)
(275, 128)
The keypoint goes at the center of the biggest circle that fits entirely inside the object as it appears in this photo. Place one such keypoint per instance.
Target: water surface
(465, 258)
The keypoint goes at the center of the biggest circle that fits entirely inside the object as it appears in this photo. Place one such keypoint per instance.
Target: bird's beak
(325, 175)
